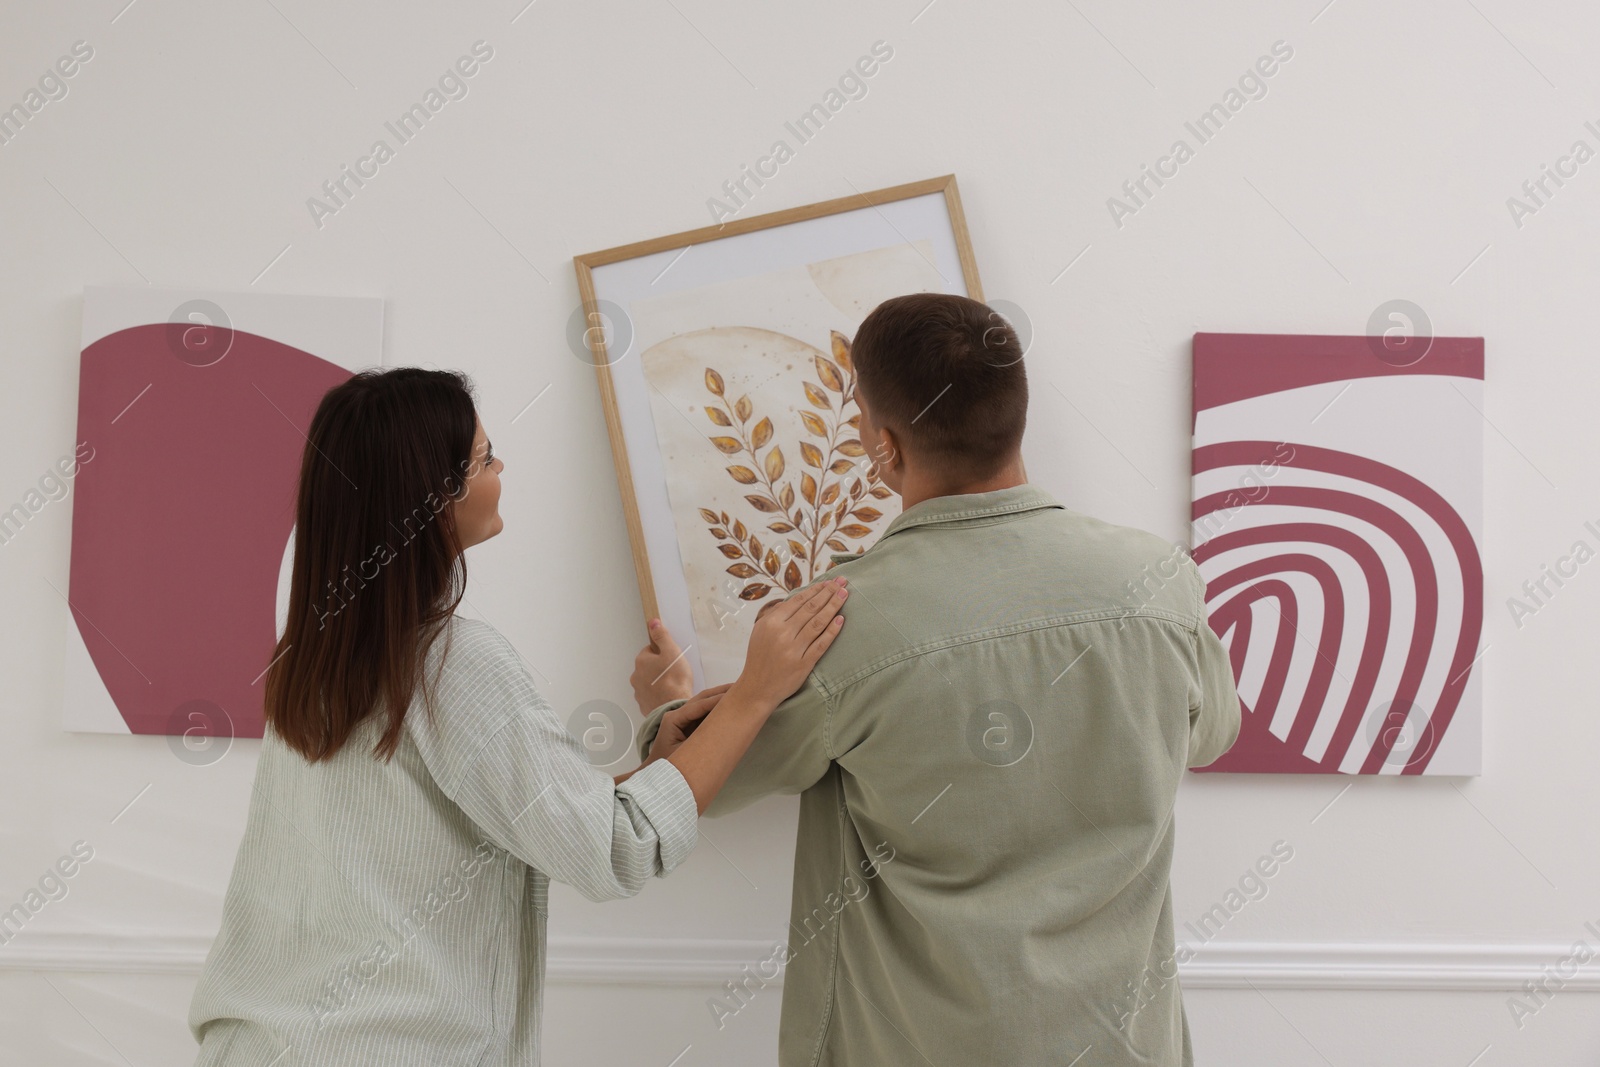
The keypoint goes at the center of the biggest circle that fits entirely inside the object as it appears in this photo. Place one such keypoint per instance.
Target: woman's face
(477, 510)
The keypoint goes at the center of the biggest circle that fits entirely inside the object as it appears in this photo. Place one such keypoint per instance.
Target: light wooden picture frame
(697, 335)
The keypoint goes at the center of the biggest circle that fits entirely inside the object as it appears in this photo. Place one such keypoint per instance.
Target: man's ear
(885, 451)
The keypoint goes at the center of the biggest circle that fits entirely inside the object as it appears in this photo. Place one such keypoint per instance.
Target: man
(989, 757)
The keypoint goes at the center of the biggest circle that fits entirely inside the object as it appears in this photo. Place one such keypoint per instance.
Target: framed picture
(1338, 514)
(723, 356)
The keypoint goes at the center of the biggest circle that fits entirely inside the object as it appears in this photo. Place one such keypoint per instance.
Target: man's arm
(788, 756)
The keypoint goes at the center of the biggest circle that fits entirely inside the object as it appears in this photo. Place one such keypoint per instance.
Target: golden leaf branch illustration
(829, 510)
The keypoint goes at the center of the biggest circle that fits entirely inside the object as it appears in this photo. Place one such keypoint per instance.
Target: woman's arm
(706, 738)
(499, 751)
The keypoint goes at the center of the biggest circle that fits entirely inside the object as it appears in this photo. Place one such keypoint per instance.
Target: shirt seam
(832, 689)
(994, 509)
(494, 975)
(827, 721)
(466, 764)
(966, 522)
(510, 716)
(1194, 654)
(833, 957)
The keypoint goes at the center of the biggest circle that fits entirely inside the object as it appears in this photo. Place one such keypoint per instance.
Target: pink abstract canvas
(1337, 516)
(191, 417)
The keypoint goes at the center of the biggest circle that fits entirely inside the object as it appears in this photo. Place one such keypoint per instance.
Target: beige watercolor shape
(750, 392)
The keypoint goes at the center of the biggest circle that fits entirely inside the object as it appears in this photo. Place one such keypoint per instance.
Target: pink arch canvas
(182, 516)
(1336, 516)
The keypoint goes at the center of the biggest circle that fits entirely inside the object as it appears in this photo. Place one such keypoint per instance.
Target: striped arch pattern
(1356, 676)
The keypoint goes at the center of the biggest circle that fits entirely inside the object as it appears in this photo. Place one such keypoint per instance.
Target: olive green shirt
(988, 759)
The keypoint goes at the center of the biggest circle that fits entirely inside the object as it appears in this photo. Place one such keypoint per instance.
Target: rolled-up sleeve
(788, 756)
(661, 793)
(534, 793)
(652, 726)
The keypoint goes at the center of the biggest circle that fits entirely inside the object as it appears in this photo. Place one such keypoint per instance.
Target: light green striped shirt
(988, 759)
(394, 913)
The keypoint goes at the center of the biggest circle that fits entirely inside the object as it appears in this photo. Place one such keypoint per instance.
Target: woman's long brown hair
(378, 567)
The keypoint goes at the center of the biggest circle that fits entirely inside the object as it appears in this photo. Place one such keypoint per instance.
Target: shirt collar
(941, 509)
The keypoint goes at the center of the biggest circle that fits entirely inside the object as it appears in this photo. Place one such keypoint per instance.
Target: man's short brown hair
(945, 373)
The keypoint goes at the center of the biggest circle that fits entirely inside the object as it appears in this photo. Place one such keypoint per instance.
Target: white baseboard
(677, 962)
(1384, 965)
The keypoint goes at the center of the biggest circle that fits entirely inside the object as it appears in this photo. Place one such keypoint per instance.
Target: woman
(415, 794)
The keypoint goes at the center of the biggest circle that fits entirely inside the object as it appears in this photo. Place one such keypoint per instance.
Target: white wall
(1377, 166)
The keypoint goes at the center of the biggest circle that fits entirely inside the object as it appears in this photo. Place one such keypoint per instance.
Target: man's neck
(919, 485)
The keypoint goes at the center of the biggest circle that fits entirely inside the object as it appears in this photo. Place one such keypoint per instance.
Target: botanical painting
(752, 391)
